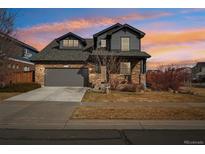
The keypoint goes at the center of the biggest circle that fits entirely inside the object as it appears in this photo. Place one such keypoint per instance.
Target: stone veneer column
(135, 74)
(39, 74)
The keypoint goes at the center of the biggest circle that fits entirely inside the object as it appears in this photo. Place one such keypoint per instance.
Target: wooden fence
(22, 77)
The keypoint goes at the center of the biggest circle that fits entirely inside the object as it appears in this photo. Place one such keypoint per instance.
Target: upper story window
(103, 43)
(125, 43)
(27, 54)
(70, 43)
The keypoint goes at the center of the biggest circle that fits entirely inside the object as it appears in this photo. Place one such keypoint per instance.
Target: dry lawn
(139, 113)
(123, 97)
(5, 95)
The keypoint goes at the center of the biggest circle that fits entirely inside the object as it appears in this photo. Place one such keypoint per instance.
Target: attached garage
(74, 77)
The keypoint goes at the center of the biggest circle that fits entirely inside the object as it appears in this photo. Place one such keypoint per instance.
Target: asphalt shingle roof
(134, 53)
(53, 53)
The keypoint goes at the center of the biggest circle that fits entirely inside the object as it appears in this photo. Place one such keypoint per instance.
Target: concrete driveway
(27, 115)
(57, 94)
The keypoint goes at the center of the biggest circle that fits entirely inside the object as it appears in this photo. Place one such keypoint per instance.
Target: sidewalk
(135, 124)
(111, 124)
(147, 104)
(56, 115)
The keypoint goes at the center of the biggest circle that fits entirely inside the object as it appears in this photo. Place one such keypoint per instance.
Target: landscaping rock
(185, 90)
(127, 87)
(120, 87)
(148, 90)
(170, 90)
(142, 91)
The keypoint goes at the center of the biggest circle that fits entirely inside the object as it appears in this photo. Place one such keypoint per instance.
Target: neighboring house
(15, 57)
(198, 72)
(69, 59)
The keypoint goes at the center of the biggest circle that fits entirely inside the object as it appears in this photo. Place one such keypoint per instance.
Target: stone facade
(94, 78)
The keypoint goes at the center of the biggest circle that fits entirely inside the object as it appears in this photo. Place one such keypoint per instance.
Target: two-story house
(198, 72)
(15, 56)
(18, 53)
(70, 60)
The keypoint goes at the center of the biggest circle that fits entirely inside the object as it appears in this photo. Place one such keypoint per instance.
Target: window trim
(77, 43)
(27, 53)
(124, 68)
(70, 43)
(63, 43)
(26, 68)
(121, 42)
(101, 43)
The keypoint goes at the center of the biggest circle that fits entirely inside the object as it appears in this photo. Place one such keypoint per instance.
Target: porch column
(143, 73)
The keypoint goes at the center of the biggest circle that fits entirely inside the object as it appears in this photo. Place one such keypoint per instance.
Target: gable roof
(107, 29)
(200, 64)
(52, 53)
(141, 33)
(18, 42)
(70, 34)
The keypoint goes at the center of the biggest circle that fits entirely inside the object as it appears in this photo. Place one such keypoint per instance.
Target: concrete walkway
(63, 94)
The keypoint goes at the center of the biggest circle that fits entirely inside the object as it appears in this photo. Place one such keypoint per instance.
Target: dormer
(101, 41)
(27, 53)
(118, 38)
(71, 41)
(125, 38)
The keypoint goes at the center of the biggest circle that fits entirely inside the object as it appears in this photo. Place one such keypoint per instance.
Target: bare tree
(109, 63)
(6, 21)
(6, 45)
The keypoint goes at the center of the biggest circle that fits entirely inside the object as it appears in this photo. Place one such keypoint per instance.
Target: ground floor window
(143, 66)
(97, 68)
(125, 68)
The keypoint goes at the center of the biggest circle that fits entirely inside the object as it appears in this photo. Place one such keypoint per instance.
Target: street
(101, 137)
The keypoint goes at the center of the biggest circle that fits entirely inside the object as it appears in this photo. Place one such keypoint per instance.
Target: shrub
(129, 88)
(20, 87)
(169, 78)
(113, 84)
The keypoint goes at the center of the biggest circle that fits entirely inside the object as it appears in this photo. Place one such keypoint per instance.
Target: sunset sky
(173, 36)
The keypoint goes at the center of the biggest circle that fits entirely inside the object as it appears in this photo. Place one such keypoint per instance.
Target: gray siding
(116, 40)
(103, 36)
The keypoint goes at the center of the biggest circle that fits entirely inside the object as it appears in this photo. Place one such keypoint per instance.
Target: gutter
(21, 61)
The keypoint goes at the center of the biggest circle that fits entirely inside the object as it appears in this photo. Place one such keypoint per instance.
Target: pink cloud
(186, 44)
(40, 35)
